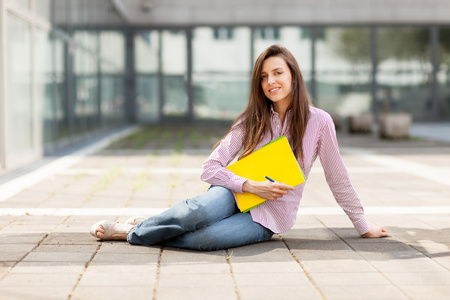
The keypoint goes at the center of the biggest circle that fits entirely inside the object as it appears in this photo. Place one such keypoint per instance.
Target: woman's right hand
(266, 189)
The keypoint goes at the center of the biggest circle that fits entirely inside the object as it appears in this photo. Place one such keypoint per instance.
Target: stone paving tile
(352, 292)
(324, 255)
(422, 292)
(28, 228)
(194, 268)
(5, 220)
(127, 280)
(267, 267)
(174, 256)
(122, 268)
(70, 238)
(274, 292)
(32, 280)
(123, 247)
(31, 292)
(338, 266)
(21, 238)
(125, 258)
(196, 280)
(58, 256)
(16, 247)
(422, 278)
(53, 267)
(278, 280)
(67, 248)
(415, 265)
(13, 256)
(6, 267)
(112, 293)
(195, 293)
(314, 244)
(367, 279)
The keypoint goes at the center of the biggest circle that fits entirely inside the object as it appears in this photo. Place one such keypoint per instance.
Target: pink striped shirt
(320, 139)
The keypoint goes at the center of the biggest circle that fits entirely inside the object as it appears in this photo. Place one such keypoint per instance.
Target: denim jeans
(208, 222)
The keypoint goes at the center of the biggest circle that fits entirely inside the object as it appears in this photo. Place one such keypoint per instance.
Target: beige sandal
(110, 232)
(135, 220)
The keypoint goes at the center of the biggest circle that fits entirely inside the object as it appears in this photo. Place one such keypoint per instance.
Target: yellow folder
(276, 161)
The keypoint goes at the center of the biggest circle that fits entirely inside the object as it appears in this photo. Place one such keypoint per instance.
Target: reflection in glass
(174, 67)
(112, 53)
(44, 84)
(43, 8)
(112, 49)
(444, 74)
(61, 103)
(343, 71)
(86, 85)
(147, 83)
(404, 71)
(24, 3)
(221, 72)
(19, 134)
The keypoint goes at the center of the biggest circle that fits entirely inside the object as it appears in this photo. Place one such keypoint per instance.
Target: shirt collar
(273, 112)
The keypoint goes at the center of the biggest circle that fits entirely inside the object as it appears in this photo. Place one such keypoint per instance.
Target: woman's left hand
(376, 232)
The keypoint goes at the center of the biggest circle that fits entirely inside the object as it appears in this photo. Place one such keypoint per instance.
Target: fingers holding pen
(267, 189)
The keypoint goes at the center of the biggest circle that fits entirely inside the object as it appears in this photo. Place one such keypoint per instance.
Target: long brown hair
(255, 120)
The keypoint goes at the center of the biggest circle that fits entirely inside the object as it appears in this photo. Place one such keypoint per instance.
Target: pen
(271, 180)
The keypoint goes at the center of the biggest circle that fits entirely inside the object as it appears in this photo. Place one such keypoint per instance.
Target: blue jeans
(208, 222)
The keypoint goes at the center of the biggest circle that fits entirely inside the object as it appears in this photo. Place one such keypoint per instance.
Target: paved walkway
(46, 251)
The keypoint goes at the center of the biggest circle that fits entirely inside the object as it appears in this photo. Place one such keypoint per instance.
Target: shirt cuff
(362, 226)
(237, 183)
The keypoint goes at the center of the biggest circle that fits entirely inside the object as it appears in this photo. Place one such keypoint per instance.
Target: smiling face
(276, 82)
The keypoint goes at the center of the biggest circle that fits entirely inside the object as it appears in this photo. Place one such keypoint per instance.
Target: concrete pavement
(46, 251)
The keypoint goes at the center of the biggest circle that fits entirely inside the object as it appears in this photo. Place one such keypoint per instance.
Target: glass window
(86, 94)
(43, 8)
(62, 108)
(44, 84)
(404, 71)
(19, 134)
(112, 50)
(112, 55)
(444, 73)
(343, 71)
(146, 61)
(174, 68)
(24, 3)
(221, 73)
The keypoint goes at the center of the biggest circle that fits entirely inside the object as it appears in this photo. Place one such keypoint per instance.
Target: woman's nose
(270, 79)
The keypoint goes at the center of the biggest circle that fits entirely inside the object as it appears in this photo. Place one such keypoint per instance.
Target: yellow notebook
(275, 160)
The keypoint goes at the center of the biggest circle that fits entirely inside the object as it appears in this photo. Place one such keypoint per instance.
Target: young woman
(278, 105)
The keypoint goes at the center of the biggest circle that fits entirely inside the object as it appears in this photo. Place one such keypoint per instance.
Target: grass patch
(107, 179)
(140, 181)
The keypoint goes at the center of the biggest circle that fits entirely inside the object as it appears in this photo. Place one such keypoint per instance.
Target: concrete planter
(394, 126)
(361, 123)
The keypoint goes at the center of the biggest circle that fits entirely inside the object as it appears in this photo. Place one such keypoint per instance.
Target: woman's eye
(279, 73)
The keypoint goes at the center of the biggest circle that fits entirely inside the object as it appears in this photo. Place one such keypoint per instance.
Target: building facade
(71, 69)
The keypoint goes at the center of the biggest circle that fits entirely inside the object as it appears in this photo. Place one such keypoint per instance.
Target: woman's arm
(339, 181)
(214, 171)
(214, 168)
